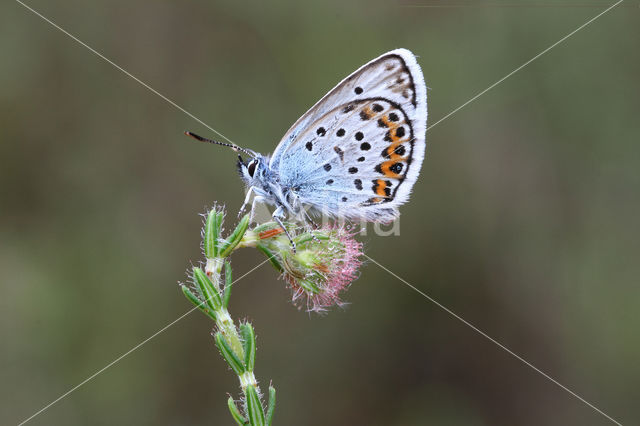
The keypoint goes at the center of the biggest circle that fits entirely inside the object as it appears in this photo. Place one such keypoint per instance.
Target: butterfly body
(355, 154)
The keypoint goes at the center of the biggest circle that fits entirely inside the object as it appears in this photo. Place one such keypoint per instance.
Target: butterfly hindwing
(358, 151)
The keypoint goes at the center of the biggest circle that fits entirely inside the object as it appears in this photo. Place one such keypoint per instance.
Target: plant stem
(237, 344)
(213, 269)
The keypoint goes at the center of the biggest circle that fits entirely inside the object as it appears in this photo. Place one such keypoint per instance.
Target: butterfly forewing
(358, 151)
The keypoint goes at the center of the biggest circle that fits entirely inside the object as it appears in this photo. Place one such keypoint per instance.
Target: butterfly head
(254, 170)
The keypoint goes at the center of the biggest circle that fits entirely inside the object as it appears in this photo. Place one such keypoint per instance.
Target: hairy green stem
(237, 344)
(225, 323)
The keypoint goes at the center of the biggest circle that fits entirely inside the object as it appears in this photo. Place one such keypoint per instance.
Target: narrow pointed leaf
(254, 408)
(211, 234)
(209, 292)
(265, 227)
(249, 342)
(272, 257)
(234, 239)
(199, 303)
(229, 355)
(272, 405)
(228, 277)
(310, 236)
(235, 413)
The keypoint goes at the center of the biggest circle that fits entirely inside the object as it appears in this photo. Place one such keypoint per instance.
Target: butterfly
(355, 154)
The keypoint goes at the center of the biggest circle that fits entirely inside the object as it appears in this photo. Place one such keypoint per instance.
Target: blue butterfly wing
(358, 151)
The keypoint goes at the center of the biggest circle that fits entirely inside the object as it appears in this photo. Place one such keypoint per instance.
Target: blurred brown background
(524, 220)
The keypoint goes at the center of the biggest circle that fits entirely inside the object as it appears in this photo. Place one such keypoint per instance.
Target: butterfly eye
(252, 167)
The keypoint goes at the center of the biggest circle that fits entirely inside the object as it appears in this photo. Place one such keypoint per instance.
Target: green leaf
(199, 303)
(254, 408)
(211, 234)
(272, 257)
(208, 290)
(249, 343)
(272, 405)
(266, 227)
(229, 355)
(235, 413)
(234, 239)
(228, 277)
(308, 236)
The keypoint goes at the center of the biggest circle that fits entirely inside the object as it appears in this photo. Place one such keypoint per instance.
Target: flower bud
(324, 265)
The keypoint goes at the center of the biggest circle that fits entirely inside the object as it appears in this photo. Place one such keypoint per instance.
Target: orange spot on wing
(395, 141)
(380, 187)
(386, 167)
(366, 113)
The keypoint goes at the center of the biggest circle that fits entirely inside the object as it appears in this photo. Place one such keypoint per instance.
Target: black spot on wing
(396, 168)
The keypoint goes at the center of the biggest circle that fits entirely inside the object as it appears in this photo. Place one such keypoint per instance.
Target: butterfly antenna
(233, 146)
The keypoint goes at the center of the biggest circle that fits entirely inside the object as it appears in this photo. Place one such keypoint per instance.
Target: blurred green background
(524, 220)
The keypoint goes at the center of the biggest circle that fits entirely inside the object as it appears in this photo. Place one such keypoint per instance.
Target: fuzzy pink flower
(325, 264)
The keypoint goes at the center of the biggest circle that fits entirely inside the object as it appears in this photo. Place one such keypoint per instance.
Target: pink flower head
(325, 263)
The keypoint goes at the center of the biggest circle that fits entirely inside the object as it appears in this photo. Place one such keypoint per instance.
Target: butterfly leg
(308, 218)
(256, 199)
(278, 215)
(246, 203)
(302, 214)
